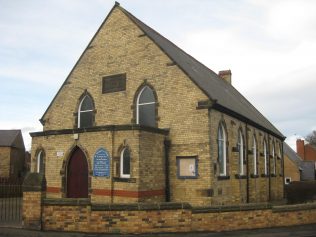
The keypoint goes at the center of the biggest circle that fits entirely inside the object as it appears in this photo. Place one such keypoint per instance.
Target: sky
(270, 47)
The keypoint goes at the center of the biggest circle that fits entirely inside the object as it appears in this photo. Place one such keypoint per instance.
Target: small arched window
(241, 152)
(222, 156)
(40, 168)
(146, 107)
(86, 112)
(254, 151)
(125, 164)
(265, 154)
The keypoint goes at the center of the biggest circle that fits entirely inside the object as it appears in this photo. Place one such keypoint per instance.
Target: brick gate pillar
(34, 187)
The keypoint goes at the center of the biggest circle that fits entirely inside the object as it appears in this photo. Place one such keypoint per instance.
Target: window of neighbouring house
(187, 167)
(222, 159)
(146, 107)
(125, 163)
(86, 112)
(287, 180)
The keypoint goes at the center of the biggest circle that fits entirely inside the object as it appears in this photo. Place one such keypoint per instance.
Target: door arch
(77, 175)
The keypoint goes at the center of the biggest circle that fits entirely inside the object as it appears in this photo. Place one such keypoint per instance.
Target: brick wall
(5, 155)
(291, 169)
(74, 215)
(32, 210)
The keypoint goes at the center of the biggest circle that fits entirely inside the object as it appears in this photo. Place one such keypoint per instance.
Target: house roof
(291, 154)
(224, 96)
(8, 138)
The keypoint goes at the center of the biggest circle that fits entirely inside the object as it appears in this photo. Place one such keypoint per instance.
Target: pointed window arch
(86, 112)
(40, 164)
(146, 107)
(125, 163)
(265, 155)
(241, 152)
(254, 151)
(222, 155)
(273, 159)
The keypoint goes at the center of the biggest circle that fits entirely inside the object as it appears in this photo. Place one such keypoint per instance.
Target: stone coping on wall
(294, 207)
(232, 208)
(126, 127)
(175, 206)
(114, 206)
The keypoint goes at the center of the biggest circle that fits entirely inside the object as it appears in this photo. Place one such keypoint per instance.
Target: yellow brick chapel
(139, 120)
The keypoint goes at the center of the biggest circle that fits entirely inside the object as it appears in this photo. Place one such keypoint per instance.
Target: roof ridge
(141, 25)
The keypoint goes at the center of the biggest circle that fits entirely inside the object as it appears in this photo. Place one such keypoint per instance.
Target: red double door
(77, 175)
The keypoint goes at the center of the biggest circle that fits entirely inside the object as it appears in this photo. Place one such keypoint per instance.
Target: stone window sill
(124, 180)
(240, 176)
(223, 177)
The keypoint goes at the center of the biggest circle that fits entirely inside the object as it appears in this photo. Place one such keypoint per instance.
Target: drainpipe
(247, 163)
(282, 164)
(167, 144)
(112, 167)
(269, 174)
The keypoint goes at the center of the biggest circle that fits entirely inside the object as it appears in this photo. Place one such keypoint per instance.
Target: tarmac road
(297, 231)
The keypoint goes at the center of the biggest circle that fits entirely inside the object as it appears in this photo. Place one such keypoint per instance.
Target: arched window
(125, 164)
(254, 151)
(241, 152)
(265, 154)
(146, 107)
(222, 156)
(86, 112)
(273, 160)
(40, 163)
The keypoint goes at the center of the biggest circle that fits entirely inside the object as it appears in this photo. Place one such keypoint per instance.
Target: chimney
(300, 148)
(226, 75)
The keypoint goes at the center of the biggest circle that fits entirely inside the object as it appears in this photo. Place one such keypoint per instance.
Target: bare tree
(311, 138)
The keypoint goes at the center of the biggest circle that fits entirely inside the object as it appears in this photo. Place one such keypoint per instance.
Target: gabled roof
(224, 96)
(8, 138)
(291, 154)
(217, 89)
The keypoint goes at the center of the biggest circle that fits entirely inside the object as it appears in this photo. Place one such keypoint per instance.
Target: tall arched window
(254, 151)
(265, 154)
(125, 164)
(86, 112)
(222, 156)
(40, 163)
(273, 160)
(146, 107)
(241, 152)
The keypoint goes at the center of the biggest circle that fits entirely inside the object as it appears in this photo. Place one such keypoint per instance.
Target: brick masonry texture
(121, 47)
(152, 219)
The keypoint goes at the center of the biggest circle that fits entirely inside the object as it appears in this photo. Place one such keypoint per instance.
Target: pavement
(297, 231)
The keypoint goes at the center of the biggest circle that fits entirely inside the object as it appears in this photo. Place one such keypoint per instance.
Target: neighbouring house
(12, 154)
(140, 120)
(296, 169)
(305, 151)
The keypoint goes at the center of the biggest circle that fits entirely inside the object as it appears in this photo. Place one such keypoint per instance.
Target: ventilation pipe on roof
(226, 75)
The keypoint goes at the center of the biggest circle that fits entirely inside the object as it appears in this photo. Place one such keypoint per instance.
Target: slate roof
(291, 154)
(8, 138)
(307, 167)
(208, 81)
(225, 96)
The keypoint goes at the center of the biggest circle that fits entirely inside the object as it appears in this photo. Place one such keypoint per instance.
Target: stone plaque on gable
(101, 163)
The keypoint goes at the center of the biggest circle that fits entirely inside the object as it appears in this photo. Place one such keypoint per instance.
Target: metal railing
(10, 201)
